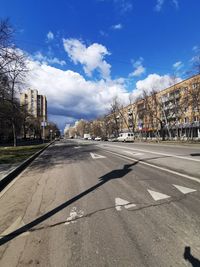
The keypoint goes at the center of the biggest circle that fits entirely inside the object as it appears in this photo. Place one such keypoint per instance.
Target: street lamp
(51, 131)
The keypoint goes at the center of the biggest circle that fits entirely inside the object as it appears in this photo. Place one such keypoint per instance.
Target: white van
(126, 137)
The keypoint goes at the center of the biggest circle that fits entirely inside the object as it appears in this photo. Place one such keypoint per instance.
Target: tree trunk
(14, 134)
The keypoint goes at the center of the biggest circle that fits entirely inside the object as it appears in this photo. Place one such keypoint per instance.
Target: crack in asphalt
(133, 209)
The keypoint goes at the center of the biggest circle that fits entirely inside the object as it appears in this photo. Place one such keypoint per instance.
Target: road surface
(104, 204)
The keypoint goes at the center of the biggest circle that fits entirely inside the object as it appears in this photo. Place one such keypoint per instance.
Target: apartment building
(172, 113)
(35, 104)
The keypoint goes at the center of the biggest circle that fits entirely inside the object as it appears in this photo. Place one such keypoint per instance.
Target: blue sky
(92, 50)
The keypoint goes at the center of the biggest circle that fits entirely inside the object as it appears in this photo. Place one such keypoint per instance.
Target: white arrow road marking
(133, 153)
(74, 214)
(157, 196)
(119, 202)
(17, 224)
(183, 189)
(97, 156)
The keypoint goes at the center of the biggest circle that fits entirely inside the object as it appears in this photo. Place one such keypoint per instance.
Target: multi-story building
(35, 104)
(173, 112)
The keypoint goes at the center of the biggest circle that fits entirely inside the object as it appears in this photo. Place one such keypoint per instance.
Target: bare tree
(13, 68)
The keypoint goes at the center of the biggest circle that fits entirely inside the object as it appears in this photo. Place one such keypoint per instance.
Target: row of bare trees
(13, 69)
(15, 120)
(174, 114)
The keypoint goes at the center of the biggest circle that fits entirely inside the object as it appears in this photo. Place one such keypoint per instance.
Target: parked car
(97, 138)
(126, 137)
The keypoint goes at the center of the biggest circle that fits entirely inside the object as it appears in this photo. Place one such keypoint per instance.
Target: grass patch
(11, 155)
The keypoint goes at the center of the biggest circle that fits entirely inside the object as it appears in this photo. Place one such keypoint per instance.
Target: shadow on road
(59, 153)
(189, 257)
(115, 174)
(195, 154)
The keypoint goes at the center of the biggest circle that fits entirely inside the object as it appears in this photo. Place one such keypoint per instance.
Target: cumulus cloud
(91, 57)
(70, 95)
(178, 65)
(117, 26)
(154, 82)
(48, 60)
(139, 68)
(50, 36)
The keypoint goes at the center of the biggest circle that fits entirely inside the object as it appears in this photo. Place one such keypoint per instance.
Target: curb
(11, 175)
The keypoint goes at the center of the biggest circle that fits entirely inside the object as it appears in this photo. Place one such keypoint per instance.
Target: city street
(85, 203)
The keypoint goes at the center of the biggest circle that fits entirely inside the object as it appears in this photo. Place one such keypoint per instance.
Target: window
(186, 120)
(195, 85)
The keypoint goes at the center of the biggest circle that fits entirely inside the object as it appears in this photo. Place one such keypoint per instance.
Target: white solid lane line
(156, 167)
(183, 189)
(157, 196)
(156, 153)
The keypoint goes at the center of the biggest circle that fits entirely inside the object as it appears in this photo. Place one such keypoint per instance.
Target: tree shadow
(189, 257)
(58, 153)
(115, 174)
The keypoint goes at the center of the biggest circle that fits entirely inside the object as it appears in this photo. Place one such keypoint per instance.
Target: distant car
(89, 138)
(97, 138)
(104, 138)
(126, 137)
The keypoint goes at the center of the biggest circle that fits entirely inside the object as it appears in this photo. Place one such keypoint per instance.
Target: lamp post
(51, 131)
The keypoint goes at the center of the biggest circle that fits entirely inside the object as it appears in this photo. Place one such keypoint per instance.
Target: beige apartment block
(35, 104)
(174, 111)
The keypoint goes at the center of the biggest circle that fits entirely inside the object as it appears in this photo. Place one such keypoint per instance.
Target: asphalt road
(104, 204)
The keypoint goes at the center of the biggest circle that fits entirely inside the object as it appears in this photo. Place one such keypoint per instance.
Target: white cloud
(154, 82)
(138, 71)
(117, 26)
(196, 48)
(124, 5)
(48, 60)
(176, 3)
(50, 36)
(178, 65)
(70, 95)
(139, 68)
(91, 57)
(103, 33)
(159, 5)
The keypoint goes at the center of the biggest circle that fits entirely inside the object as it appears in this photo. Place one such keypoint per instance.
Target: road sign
(43, 123)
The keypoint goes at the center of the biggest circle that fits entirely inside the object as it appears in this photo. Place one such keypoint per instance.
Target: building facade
(172, 113)
(35, 104)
